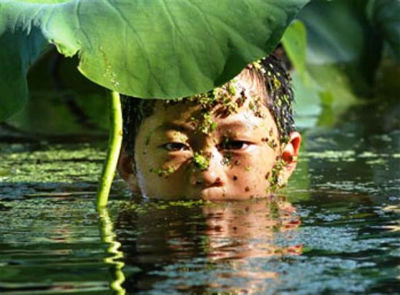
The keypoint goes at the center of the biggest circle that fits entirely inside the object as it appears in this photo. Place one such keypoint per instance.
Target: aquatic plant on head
(119, 50)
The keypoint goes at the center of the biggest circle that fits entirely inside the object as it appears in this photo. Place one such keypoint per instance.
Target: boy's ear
(125, 170)
(289, 155)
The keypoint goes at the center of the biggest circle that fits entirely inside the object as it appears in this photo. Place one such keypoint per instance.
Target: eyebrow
(236, 124)
(246, 126)
(175, 126)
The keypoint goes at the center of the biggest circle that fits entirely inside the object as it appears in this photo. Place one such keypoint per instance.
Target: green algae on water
(56, 163)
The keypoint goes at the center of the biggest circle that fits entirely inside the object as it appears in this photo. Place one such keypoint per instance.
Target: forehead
(240, 103)
(186, 115)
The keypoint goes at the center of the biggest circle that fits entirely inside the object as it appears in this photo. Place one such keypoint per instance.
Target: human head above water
(234, 142)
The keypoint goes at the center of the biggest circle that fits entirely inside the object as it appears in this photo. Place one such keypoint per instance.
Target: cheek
(175, 162)
(163, 176)
(258, 158)
(148, 161)
(161, 164)
(265, 159)
(249, 173)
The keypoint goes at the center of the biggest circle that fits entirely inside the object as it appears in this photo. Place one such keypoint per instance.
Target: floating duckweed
(274, 179)
(207, 124)
(230, 106)
(221, 95)
(232, 89)
(257, 65)
(165, 172)
(251, 106)
(58, 164)
(180, 137)
(200, 161)
(334, 156)
(4, 172)
(376, 162)
(277, 83)
(186, 203)
(256, 107)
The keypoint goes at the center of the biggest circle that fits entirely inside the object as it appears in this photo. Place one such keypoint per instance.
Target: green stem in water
(115, 255)
(114, 147)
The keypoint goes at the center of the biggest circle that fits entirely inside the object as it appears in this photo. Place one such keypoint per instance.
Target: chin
(207, 194)
(221, 194)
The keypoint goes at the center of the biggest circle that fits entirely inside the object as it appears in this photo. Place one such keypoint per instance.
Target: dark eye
(175, 146)
(234, 145)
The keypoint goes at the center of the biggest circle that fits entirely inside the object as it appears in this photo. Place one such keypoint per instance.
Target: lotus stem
(114, 147)
(115, 255)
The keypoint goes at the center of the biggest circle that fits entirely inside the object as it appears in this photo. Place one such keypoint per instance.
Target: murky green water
(343, 237)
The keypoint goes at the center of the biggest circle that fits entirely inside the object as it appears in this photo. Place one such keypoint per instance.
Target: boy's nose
(212, 176)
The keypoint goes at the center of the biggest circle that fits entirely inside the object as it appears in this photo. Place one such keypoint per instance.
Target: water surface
(341, 236)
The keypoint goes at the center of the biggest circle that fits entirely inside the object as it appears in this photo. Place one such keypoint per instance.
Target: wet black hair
(279, 101)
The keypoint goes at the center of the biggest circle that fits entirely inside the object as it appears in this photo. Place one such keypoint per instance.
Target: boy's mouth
(215, 193)
(212, 193)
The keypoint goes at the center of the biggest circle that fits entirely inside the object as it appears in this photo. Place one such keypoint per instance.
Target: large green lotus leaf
(143, 48)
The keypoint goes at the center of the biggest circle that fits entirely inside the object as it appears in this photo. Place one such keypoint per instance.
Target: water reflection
(115, 255)
(206, 248)
(346, 190)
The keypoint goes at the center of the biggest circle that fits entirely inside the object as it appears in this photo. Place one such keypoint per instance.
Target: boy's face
(225, 152)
